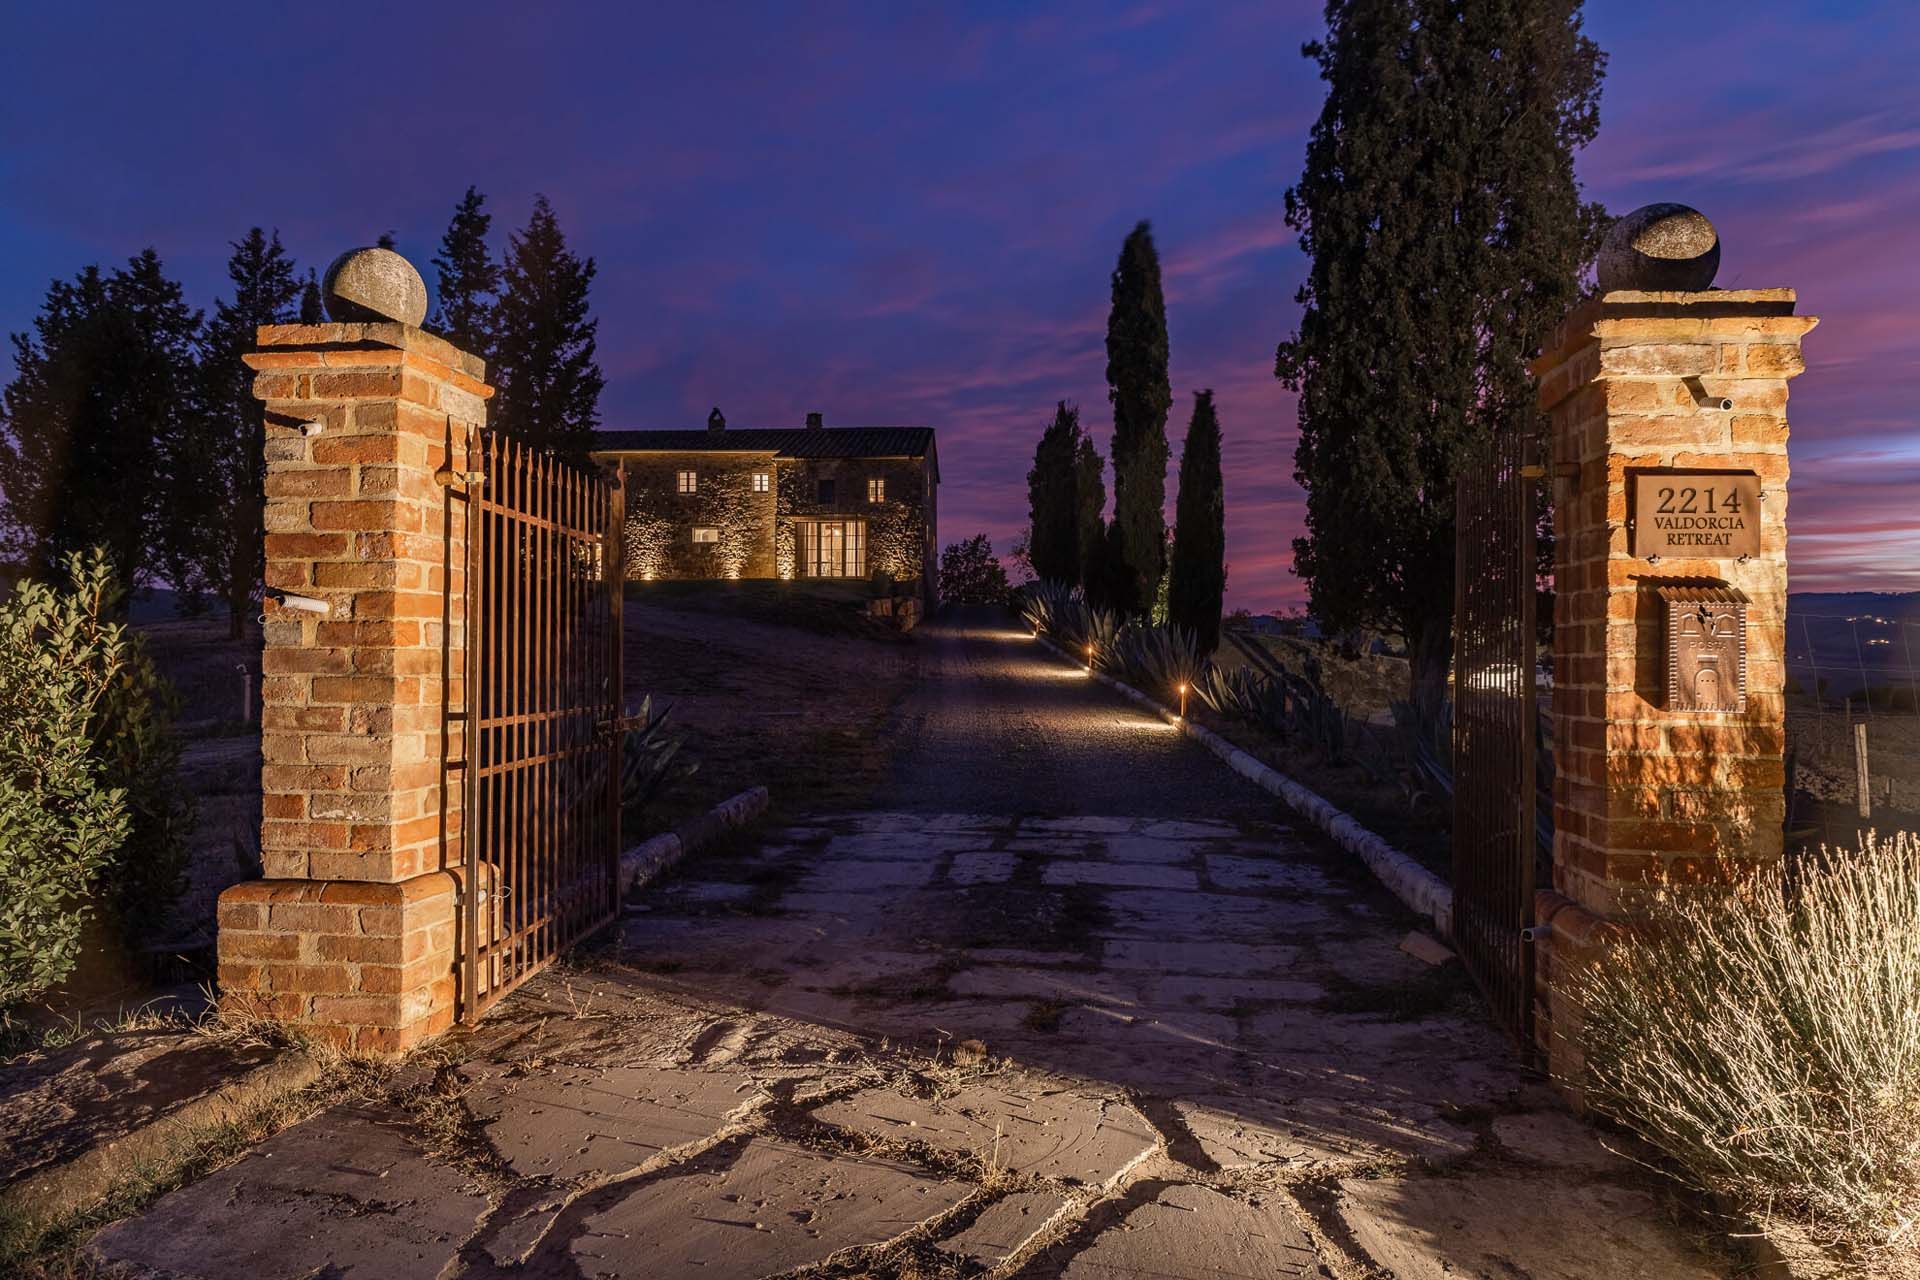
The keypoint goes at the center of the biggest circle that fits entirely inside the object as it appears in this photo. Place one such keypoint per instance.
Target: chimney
(716, 421)
(816, 421)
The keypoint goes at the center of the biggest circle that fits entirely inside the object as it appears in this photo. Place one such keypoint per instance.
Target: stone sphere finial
(1659, 248)
(371, 285)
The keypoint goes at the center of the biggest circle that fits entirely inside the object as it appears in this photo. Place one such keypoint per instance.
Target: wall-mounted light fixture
(313, 428)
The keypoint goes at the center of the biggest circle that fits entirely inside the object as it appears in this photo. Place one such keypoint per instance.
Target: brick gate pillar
(1650, 392)
(352, 932)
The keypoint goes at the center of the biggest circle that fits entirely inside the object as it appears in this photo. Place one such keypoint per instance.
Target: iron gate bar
(543, 593)
(1495, 724)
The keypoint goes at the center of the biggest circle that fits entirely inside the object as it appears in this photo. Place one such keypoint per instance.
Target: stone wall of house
(897, 527)
(661, 519)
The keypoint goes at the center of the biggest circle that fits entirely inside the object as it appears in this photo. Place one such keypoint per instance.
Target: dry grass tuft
(1770, 1044)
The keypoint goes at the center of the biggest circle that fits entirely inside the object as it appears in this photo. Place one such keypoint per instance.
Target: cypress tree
(1447, 235)
(1090, 491)
(232, 477)
(1141, 395)
(1198, 571)
(1053, 546)
(97, 418)
(543, 341)
(469, 278)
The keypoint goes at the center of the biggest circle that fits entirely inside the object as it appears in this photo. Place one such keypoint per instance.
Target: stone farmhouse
(804, 502)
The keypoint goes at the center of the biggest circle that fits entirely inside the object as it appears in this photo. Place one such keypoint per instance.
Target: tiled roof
(785, 442)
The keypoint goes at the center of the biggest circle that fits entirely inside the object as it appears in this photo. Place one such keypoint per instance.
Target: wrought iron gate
(1495, 726)
(542, 717)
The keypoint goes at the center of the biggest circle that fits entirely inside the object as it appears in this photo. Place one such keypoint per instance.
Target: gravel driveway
(997, 724)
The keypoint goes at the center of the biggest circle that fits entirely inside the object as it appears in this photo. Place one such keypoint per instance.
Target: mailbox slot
(1706, 649)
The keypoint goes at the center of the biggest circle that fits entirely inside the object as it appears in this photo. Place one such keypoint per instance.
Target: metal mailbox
(1706, 649)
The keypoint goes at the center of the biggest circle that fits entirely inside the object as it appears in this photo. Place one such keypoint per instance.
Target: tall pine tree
(1447, 236)
(230, 557)
(1198, 572)
(1053, 500)
(97, 418)
(543, 342)
(469, 278)
(1137, 384)
(313, 309)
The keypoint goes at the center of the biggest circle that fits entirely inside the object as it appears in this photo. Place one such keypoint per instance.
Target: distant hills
(1841, 642)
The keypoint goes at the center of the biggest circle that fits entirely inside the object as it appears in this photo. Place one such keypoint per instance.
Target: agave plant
(1160, 658)
(1235, 693)
(1100, 637)
(1045, 605)
(650, 757)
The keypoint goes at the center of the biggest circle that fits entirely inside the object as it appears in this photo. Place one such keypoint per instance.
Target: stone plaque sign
(1706, 649)
(1696, 515)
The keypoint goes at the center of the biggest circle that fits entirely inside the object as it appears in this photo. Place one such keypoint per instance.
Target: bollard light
(1183, 700)
(1089, 657)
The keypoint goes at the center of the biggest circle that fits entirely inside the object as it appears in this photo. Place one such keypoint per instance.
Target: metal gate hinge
(449, 477)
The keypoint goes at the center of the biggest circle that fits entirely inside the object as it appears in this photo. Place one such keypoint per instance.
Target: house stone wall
(661, 520)
(897, 529)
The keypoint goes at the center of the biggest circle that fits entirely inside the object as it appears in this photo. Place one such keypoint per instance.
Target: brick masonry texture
(351, 932)
(1649, 801)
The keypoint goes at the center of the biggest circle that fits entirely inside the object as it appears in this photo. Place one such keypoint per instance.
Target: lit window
(876, 489)
(762, 482)
(833, 549)
(703, 537)
(689, 481)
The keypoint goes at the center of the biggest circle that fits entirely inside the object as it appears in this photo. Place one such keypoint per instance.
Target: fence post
(1650, 799)
(352, 932)
(1865, 780)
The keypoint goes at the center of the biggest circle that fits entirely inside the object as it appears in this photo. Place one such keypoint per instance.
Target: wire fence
(1853, 724)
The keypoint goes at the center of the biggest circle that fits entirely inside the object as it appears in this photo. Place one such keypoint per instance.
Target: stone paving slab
(1066, 985)
(344, 1194)
(1315, 1131)
(832, 875)
(1077, 826)
(1557, 1139)
(1020, 1125)
(1004, 1228)
(1145, 848)
(1194, 1233)
(1231, 872)
(570, 1122)
(1120, 874)
(983, 868)
(1227, 993)
(1430, 1228)
(902, 846)
(1223, 958)
(1189, 829)
(764, 1209)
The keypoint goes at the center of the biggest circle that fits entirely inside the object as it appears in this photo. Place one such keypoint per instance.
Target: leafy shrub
(60, 822)
(1769, 1042)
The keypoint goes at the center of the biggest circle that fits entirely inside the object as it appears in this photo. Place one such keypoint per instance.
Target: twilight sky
(906, 213)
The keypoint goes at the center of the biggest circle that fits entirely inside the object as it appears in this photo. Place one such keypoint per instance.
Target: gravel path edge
(1407, 880)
